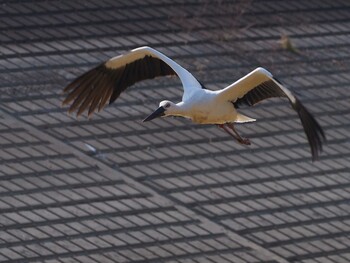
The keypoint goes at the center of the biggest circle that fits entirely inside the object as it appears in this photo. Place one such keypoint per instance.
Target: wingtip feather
(314, 132)
(141, 65)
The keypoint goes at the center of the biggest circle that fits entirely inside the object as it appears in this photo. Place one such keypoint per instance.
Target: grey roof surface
(168, 190)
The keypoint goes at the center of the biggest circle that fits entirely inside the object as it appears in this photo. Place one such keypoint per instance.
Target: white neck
(178, 109)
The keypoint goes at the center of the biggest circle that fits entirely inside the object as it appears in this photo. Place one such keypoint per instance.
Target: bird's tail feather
(243, 119)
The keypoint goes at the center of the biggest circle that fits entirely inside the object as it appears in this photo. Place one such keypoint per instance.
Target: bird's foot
(244, 141)
(234, 134)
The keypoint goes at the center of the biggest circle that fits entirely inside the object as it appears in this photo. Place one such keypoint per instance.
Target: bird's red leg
(223, 126)
(239, 138)
(235, 135)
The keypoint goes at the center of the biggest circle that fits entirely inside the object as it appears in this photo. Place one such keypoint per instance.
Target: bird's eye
(167, 105)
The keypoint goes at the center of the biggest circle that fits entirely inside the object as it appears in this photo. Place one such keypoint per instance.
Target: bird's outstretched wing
(107, 81)
(260, 85)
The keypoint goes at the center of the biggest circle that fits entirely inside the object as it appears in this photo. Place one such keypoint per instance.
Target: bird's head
(165, 108)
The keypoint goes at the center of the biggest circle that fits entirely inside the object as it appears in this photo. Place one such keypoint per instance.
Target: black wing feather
(82, 91)
(266, 90)
(270, 89)
(313, 130)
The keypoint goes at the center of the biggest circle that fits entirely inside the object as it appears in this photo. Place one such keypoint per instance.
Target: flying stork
(104, 83)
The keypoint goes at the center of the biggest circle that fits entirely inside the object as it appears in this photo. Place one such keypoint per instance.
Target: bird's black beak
(157, 113)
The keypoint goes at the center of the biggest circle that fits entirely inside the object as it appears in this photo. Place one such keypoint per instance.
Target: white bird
(108, 80)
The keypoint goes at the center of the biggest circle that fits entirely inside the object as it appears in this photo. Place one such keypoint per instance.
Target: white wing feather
(189, 82)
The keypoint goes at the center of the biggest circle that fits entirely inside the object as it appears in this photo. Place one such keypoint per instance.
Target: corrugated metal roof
(171, 191)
